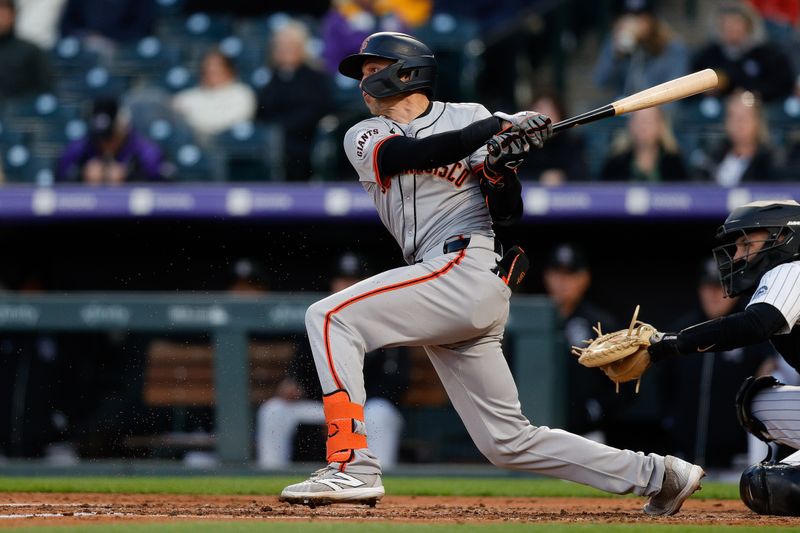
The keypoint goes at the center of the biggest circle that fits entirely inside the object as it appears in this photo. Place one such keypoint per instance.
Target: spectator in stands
(348, 22)
(297, 401)
(741, 61)
(111, 153)
(646, 152)
(565, 157)
(701, 422)
(780, 18)
(104, 24)
(37, 21)
(640, 52)
(744, 155)
(26, 70)
(296, 97)
(567, 278)
(220, 101)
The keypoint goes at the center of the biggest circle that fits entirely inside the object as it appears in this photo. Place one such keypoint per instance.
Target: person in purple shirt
(111, 153)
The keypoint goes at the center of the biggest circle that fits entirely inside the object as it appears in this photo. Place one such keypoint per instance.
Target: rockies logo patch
(761, 290)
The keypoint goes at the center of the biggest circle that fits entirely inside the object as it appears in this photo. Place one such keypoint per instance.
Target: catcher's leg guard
(772, 489)
(341, 415)
(744, 399)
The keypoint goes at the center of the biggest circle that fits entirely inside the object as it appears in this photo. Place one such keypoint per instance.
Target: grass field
(264, 485)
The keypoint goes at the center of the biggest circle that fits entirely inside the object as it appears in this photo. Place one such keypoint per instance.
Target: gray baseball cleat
(329, 485)
(681, 479)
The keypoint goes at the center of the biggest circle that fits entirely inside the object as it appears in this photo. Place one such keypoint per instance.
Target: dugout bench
(532, 339)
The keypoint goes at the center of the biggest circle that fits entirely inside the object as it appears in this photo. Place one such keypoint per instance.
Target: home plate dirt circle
(74, 509)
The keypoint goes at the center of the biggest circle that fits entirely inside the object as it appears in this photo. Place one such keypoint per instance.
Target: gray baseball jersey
(422, 208)
(454, 306)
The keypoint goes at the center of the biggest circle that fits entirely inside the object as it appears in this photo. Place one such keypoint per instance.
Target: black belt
(456, 245)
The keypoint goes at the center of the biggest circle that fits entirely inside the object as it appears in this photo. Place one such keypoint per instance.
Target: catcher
(759, 251)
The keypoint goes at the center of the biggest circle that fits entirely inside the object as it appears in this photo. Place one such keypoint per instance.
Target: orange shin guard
(340, 415)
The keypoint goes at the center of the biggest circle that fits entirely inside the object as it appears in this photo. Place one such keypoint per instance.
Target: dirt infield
(77, 509)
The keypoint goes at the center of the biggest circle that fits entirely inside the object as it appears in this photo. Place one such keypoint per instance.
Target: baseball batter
(760, 253)
(438, 192)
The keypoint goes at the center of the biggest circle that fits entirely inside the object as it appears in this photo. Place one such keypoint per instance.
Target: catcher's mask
(780, 245)
(412, 59)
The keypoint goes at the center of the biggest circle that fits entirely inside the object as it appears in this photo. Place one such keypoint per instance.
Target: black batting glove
(507, 151)
(663, 346)
(537, 128)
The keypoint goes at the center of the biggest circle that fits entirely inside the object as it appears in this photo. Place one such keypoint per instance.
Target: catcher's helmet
(772, 489)
(780, 219)
(411, 58)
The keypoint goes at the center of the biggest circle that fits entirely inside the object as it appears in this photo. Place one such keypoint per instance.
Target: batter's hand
(535, 126)
(507, 152)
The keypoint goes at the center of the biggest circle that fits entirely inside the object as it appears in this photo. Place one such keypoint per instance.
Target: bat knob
(493, 147)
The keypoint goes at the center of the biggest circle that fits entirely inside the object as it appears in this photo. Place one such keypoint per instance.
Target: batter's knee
(772, 489)
(315, 316)
(502, 452)
(744, 402)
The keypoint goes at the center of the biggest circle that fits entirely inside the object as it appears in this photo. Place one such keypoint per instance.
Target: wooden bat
(662, 93)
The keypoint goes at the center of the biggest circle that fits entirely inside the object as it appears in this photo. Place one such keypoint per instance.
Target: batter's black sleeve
(399, 154)
(757, 323)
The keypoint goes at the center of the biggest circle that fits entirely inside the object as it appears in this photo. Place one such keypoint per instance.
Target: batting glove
(507, 152)
(535, 126)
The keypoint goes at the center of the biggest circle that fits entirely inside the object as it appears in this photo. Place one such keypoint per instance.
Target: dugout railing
(537, 355)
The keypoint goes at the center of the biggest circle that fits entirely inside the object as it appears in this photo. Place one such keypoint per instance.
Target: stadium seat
(69, 55)
(97, 82)
(251, 152)
(177, 79)
(150, 56)
(192, 163)
(21, 165)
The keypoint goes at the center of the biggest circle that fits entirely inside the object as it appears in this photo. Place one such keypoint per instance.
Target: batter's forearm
(399, 154)
(755, 324)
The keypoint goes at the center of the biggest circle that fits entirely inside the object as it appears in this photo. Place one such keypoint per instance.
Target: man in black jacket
(26, 70)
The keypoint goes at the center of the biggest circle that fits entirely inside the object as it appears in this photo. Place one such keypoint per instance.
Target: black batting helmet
(411, 58)
(780, 219)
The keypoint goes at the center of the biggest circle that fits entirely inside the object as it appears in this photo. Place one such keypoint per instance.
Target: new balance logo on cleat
(330, 485)
(341, 479)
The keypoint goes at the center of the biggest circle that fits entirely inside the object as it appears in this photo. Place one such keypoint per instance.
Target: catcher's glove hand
(622, 354)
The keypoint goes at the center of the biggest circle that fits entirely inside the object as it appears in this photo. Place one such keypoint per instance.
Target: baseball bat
(663, 93)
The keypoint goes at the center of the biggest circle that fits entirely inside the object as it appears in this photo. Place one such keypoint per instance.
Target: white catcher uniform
(778, 408)
(454, 306)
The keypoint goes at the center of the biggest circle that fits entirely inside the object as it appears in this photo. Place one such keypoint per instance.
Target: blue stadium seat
(177, 79)
(192, 163)
(94, 83)
(69, 55)
(150, 56)
(21, 165)
(251, 152)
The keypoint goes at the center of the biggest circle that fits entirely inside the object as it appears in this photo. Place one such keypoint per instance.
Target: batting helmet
(772, 489)
(780, 219)
(411, 58)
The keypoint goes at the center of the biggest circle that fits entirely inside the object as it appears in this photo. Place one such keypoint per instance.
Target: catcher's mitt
(622, 355)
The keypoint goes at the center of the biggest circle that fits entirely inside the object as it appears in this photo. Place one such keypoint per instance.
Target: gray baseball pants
(454, 306)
